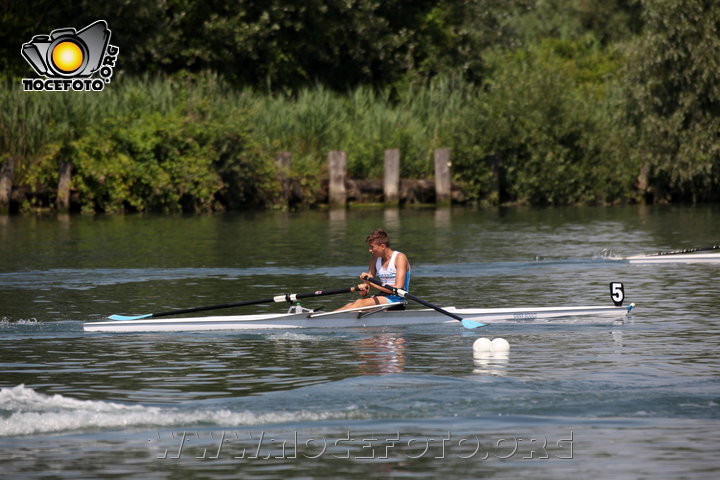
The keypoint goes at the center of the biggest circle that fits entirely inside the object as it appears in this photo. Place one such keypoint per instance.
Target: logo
(68, 59)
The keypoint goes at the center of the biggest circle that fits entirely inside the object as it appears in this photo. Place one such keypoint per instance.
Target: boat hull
(684, 258)
(347, 319)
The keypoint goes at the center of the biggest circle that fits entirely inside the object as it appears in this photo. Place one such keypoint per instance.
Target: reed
(363, 122)
(308, 123)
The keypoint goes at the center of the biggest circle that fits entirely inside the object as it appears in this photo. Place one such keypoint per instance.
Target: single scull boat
(689, 255)
(686, 258)
(374, 316)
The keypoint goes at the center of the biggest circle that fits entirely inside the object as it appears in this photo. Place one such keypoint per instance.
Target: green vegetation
(542, 102)
(673, 101)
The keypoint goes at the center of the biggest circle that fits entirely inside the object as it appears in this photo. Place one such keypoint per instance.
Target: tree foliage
(673, 82)
(542, 101)
(272, 44)
(541, 132)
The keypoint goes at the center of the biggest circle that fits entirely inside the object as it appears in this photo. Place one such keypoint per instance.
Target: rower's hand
(363, 289)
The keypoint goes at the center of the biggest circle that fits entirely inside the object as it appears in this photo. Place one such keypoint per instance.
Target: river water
(574, 398)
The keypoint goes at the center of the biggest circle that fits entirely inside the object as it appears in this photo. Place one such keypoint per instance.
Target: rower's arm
(402, 266)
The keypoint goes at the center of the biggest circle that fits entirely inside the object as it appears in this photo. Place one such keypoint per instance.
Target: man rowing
(391, 266)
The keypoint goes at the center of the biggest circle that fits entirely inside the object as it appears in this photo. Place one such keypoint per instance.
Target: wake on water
(23, 411)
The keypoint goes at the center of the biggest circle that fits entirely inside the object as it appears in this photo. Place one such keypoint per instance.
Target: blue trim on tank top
(398, 298)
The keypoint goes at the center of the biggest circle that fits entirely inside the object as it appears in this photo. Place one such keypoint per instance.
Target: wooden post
(62, 202)
(442, 176)
(337, 164)
(391, 185)
(6, 182)
(282, 166)
(495, 179)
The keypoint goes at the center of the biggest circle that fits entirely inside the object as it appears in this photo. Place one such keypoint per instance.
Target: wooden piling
(62, 202)
(337, 166)
(391, 184)
(495, 179)
(6, 182)
(442, 176)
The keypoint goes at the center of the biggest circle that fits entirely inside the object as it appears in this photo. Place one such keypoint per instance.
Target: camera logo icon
(68, 54)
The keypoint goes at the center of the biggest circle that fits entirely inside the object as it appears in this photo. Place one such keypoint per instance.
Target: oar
(687, 250)
(467, 322)
(286, 297)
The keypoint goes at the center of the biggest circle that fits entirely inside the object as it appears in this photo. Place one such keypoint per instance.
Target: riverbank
(194, 144)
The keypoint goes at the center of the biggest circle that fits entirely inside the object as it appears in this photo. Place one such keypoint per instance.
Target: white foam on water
(32, 412)
(5, 321)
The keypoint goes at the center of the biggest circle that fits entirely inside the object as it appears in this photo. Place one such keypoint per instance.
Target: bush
(543, 131)
(168, 163)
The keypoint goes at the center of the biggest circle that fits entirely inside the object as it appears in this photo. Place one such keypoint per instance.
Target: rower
(391, 266)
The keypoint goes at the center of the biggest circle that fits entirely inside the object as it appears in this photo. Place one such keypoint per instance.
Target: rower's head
(378, 241)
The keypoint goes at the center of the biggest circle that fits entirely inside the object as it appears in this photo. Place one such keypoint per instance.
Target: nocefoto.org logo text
(68, 59)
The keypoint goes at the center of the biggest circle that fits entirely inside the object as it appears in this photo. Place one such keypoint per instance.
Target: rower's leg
(364, 302)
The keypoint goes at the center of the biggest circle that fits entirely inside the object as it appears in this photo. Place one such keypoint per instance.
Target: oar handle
(318, 293)
(393, 290)
(402, 293)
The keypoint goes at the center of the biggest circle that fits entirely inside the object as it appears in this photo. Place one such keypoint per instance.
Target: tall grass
(35, 123)
(363, 122)
(308, 123)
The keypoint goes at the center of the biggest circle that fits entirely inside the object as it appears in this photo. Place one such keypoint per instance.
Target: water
(637, 398)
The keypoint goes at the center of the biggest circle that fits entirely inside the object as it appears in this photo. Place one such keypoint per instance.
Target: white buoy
(499, 345)
(482, 345)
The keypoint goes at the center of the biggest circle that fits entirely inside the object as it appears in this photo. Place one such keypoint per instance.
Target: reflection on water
(391, 218)
(337, 217)
(381, 354)
(617, 338)
(64, 221)
(443, 218)
(490, 363)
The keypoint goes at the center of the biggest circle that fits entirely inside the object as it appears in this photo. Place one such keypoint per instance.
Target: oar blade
(470, 323)
(126, 317)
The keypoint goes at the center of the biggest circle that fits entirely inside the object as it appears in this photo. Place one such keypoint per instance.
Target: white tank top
(389, 275)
